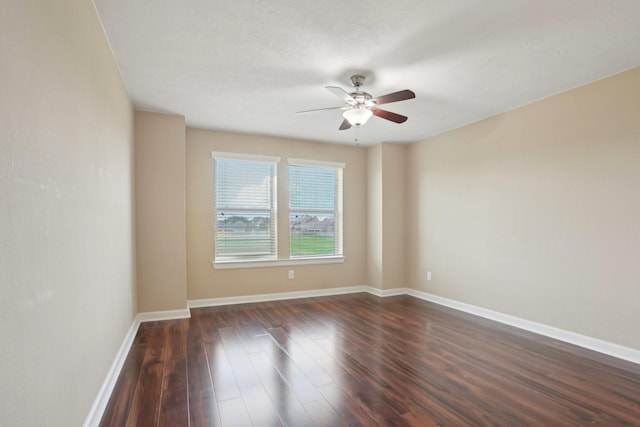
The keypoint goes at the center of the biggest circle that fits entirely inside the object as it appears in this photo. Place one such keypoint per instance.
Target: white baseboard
(153, 316)
(212, 302)
(100, 403)
(386, 292)
(605, 347)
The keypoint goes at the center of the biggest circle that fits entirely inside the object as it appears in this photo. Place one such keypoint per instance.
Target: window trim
(260, 263)
(316, 163)
(246, 157)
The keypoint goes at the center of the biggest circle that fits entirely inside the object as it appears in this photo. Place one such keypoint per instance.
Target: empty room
(292, 213)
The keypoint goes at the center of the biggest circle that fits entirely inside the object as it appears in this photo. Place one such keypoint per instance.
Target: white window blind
(315, 208)
(245, 199)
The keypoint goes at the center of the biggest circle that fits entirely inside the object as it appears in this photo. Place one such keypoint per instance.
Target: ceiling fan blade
(340, 93)
(395, 97)
(397, 118)
(345, 125)
(319, 109)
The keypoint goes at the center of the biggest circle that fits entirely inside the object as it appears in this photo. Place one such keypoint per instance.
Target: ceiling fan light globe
(357, 116)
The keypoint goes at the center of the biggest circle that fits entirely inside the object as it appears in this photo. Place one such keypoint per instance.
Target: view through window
(246, 220)
(245, 206)
(315, 209)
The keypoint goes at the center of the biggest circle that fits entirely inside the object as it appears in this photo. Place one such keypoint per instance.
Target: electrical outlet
(428, 275)
(291, 275)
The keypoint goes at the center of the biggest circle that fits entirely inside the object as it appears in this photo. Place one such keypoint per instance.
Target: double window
(246, 226)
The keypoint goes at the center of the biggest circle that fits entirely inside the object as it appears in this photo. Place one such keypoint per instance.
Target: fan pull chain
(357, 140)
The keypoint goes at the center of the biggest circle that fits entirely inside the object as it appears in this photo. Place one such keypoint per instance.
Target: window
(315, 209)
(245, 203)
(246, 215)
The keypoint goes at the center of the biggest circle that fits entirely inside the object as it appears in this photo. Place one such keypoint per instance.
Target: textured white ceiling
(249, 65)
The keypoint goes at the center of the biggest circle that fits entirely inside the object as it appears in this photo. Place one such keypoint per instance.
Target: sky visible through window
(312, 188)
(246, 184)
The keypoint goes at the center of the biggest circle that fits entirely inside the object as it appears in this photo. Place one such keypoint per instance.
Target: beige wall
(386, 182)
(161, 250)
(207, 282)
(394, 206)
(375, 225)
(536, 212)
(66, 221)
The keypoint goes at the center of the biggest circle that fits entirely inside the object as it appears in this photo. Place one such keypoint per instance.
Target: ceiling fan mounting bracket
(357, 80)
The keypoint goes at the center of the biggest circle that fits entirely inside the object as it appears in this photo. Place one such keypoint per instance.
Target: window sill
(237, 264)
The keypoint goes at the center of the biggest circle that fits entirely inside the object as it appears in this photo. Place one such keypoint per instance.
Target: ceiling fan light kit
(359, 106)
(357, 116)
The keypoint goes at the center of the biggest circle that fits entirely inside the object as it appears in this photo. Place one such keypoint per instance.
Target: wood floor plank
(238, 358)
(349, 409)
(174, 407)
(361, 360)
(260, 406)
(117, 410)
(222, 376)
(225, 385)
(203, 408)
(233, 413)
(203, 411)
(146, 399)
(301, 357)
(287, 404)
(374, 404)
(324, 415)
(304, 390)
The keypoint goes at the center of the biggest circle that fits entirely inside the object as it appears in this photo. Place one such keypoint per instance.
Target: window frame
(273, 211)
(338, 211)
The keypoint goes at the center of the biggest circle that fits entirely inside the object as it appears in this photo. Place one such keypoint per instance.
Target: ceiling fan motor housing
(361, 98)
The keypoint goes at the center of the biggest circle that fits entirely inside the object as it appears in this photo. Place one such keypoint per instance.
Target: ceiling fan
(359, 106)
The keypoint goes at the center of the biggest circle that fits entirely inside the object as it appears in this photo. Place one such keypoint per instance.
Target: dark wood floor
(360, 360)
